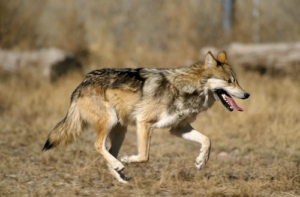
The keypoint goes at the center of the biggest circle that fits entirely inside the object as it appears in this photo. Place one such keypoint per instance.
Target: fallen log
(49, 63)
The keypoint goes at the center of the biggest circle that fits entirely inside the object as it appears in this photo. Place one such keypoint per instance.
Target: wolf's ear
(222, 57)
(210, 61)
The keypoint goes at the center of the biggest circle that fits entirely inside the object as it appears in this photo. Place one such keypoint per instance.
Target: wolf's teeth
(224, 97)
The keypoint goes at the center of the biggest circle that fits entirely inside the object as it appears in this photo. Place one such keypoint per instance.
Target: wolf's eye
(229, 81)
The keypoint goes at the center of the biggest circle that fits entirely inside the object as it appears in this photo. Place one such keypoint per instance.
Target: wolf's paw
(118, 166)
(118, 175)
(126, 159)
(201, 160)
(122, 178)
(200, 165)
(133, 159)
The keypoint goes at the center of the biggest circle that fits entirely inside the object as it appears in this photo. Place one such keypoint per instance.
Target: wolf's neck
(187, 80)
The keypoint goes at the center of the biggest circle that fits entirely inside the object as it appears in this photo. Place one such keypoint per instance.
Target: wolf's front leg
(143, 138)
(188, 133)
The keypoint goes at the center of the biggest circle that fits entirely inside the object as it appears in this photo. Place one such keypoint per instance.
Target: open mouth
(227, 100)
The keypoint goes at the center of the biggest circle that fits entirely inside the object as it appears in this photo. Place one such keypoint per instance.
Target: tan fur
(110, 99)
(222, 57)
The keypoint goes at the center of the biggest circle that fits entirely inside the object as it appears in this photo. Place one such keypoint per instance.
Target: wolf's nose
(246, 95)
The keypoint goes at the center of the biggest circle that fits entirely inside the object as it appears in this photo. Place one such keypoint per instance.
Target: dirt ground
(254, 153)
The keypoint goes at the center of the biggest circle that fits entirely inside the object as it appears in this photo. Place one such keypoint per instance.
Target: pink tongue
(233, 104)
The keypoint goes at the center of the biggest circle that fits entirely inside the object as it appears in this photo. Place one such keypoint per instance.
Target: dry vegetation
(254, 153)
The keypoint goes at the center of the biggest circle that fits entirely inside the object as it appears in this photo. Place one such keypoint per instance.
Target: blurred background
(133, 33)
(254, 153)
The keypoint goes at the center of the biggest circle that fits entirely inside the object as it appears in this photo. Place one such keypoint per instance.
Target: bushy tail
(66, 130)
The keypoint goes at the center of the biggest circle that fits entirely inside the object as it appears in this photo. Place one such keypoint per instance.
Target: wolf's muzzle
(246, 95)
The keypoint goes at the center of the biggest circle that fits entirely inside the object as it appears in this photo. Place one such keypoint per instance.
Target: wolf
(110, 99)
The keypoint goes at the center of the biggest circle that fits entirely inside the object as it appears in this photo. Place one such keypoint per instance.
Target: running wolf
(110, 99)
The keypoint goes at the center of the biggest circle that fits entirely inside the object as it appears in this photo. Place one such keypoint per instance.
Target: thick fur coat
(110, 99)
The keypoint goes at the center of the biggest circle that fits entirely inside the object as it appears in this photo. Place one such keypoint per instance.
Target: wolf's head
(222, 81)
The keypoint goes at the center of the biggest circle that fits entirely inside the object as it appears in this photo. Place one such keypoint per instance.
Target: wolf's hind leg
(100, 145)
(188, 133)
(117, 136)
(118, 175)
(144, 138)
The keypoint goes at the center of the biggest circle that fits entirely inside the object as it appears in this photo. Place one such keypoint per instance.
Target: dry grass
(254, 153)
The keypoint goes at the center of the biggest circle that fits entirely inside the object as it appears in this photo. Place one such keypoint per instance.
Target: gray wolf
(110, 99)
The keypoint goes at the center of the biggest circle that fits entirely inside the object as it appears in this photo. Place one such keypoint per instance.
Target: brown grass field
(254, 153)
